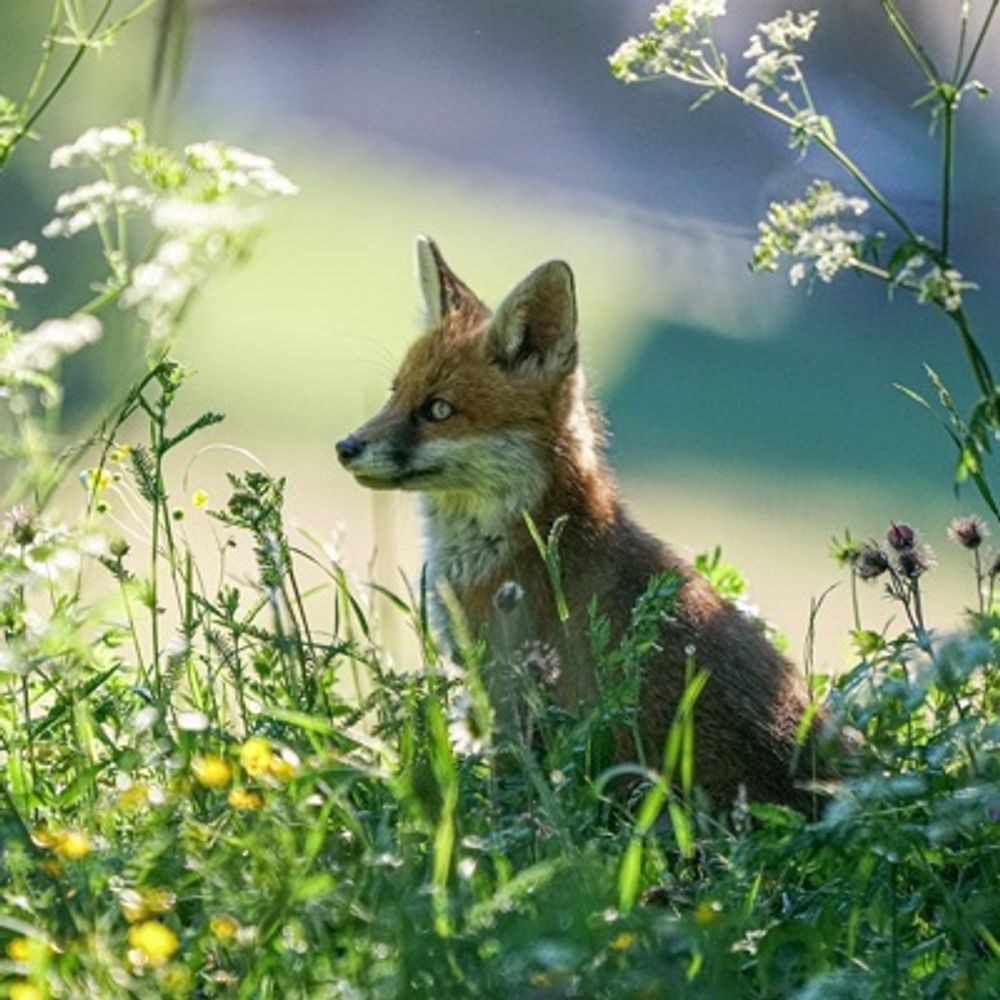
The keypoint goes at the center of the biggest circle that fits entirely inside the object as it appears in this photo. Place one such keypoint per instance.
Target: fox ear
(534, 328)
(443, 291)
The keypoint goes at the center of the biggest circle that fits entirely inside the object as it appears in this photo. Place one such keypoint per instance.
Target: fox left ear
(534, 328)
(443, 291)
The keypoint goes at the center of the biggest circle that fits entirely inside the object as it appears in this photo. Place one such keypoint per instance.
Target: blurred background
(744, 413)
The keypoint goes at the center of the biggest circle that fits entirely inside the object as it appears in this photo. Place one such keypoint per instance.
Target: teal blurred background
(743, 412)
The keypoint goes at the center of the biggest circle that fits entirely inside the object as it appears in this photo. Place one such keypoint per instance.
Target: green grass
(255, 803)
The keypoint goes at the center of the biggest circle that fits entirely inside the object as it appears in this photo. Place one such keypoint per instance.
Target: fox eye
(437, 409)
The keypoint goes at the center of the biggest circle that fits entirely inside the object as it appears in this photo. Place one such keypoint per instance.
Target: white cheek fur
(486, 484)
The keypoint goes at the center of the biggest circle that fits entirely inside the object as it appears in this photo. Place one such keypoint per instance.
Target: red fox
(489, 418)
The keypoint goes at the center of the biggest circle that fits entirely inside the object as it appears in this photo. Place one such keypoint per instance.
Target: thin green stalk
(909, 40)
(974, 55)
(948, 154)
(48, 47)
(63, 78)
(833, 149)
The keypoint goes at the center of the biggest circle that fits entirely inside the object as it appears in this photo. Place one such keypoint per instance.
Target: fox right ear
(443, 291)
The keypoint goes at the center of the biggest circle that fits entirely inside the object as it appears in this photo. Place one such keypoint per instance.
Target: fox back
(489, 419)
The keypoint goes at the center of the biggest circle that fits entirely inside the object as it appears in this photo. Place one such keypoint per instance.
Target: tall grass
(221, 787)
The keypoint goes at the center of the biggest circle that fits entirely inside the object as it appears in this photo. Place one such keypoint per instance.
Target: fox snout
(349, 448)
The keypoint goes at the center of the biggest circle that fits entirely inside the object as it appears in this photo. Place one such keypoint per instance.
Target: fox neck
(477, 538)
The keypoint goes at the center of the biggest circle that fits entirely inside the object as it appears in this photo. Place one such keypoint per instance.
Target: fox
(489, 419)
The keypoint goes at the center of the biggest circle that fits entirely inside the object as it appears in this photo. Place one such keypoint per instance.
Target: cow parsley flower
(42, 349)
(236, 169)
(941, 285)
(16, 269)
(96, 145)
(808, 229)
(91, 205)
(772, 48)
(675, 47)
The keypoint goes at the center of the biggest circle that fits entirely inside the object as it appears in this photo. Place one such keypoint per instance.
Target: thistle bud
(901, 537)
(914, 562)
(968, 532)
(871, 561)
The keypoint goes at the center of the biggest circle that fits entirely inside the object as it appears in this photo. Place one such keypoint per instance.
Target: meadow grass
(218, 785)
(256, 803)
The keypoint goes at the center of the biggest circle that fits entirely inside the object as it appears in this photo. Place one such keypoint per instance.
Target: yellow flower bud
(212, 771)
(223, 927)
(72, 844)
(153, 941)
(256, 756)
(240, 798)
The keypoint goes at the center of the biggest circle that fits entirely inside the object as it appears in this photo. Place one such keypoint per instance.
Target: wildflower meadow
(219, 784)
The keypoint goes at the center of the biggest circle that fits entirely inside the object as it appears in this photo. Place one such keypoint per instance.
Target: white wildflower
(236, 169)
(941, 285)
(52, 553)
(43, 348)
(772, 49)
(192, 721)
(463, 725)
(16, 269)
(675, 47)
(809, 230)
(191, 218)
(92, 204)
(95, 145)
(686, 14)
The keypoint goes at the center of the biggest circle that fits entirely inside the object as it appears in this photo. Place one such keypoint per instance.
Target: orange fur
(519, 434)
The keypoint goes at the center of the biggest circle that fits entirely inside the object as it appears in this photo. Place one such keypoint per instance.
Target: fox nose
(350, 448)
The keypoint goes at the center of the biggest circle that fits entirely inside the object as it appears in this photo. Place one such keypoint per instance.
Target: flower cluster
(677, 46)
(43, 348)
(97, 146)
(197, 206)
(932, 283)
(16, 269)
(808, 229)
(903, 556)
(92, 205)
(772, 49)
(235, 169)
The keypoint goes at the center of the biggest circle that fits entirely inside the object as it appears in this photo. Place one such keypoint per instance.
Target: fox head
(481, 398)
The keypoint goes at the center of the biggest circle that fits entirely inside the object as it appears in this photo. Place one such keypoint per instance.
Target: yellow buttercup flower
(623, 941)
(133, 905)
(223, 927)
(199, 498)
(24, 991)
(176, 978)
(19, 949)
(256, 756)
(154, 942)
(283, 769)
(133, 797)
(240, 798)
(212, 771)
(72, 844)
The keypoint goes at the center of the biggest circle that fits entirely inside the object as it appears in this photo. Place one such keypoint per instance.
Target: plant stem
(910, 42)
(834, 150)
(974, 55)
(948, 107)
(63, 79)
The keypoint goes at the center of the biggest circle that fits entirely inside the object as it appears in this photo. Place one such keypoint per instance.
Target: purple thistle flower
(871, 561)
(901, 537)
(968, 531)
(914, 562)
